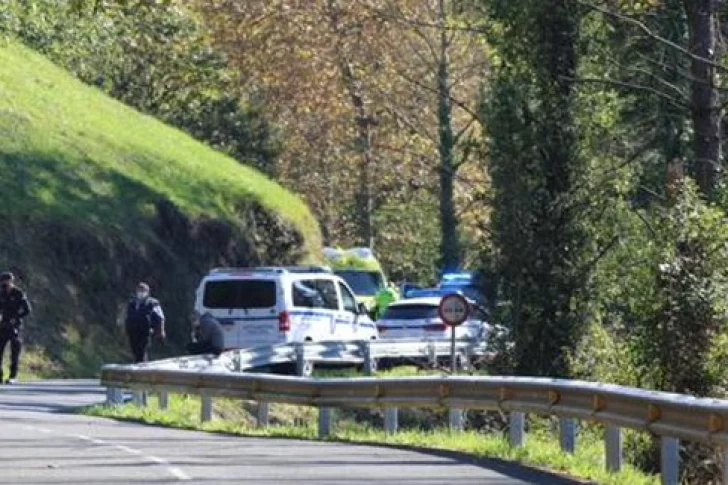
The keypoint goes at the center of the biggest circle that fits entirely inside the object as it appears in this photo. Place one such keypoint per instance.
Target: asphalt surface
(42, 442)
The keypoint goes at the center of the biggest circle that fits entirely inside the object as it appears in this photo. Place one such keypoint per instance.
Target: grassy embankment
(541, 450)
(97, 196)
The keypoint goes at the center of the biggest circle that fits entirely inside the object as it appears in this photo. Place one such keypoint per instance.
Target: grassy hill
(97, 196)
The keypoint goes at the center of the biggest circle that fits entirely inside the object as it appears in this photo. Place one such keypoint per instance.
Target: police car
(277, 305)
(418, 318)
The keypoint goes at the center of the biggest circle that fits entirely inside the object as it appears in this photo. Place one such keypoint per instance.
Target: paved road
(42, 443)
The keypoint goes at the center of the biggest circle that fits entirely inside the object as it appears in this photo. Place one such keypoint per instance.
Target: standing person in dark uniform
(144, 317)
(14, 307)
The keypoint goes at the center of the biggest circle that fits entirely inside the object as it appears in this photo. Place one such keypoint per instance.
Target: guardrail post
(567, 434)
(456, 419)
(163, 400)
(325, 422)
(517, 429)
(140, 398)
(114, 396)
(391, 420)
(370, 364)
(206, 409)
(614, 442)
(670, 461)
(263, 414)
(304, 368)
(724, 451)
(432, 354)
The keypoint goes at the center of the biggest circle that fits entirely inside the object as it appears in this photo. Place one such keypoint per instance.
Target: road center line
(177, 472)
(173, 470)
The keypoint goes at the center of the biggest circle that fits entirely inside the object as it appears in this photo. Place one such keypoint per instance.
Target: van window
(348, 299)
(240, 294)
(315, 294)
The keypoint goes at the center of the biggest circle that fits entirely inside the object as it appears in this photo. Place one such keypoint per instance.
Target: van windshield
(363, 283)
(240, 294)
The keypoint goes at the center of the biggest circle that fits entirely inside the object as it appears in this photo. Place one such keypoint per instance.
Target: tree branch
(644, 28)
(630, 86)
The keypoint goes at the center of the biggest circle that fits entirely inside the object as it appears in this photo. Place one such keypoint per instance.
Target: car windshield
(363, 283)
(240, 294)
(411, 312)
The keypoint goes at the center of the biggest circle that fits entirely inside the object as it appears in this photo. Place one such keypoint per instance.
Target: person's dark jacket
(209, 334)
(14, 306)
(144, 315)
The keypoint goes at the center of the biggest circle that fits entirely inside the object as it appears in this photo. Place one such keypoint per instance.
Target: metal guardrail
(367, 352)
(672, 417)
(307, 354)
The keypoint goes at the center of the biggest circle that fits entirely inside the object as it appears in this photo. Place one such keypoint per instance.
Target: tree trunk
(365, 197)
(705, 97)
(450, 238)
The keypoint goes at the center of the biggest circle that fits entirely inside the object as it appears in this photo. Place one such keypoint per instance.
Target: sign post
(454, 310)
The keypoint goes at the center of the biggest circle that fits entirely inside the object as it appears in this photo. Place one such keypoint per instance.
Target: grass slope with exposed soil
(97, 196)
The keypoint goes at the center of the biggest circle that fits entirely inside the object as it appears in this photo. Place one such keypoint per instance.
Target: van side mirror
(362, 309)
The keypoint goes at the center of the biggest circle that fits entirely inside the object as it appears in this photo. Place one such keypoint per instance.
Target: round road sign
(454, 309)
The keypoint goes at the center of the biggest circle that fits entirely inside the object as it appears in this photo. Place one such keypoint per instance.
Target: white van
(276, 305)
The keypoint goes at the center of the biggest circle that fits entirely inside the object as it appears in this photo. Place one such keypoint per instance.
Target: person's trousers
(16, 345)
(139, 339)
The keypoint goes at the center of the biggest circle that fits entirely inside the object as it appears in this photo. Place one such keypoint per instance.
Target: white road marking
(178, 473)
(131, 451)
(173, 470)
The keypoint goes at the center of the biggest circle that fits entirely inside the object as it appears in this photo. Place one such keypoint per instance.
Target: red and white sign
(454, 309)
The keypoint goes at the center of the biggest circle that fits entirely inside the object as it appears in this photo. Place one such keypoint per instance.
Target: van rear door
(249, 306)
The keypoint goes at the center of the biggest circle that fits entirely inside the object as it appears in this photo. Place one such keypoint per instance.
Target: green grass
(68, 151)
(541, 450)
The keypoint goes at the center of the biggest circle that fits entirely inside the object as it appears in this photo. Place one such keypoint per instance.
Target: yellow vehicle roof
(354, 258)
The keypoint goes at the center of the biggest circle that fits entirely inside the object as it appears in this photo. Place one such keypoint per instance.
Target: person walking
(14, 307)
(208, 337)
(144, 318)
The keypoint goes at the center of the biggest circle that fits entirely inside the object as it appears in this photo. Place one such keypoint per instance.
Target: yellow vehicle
(360, 269)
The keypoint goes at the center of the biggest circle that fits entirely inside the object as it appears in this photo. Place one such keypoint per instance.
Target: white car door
(348, 314)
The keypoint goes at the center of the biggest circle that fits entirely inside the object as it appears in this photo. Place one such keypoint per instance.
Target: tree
(706, 105)
(355, 90)
(538, 177)
(686, 34)
(440, 61)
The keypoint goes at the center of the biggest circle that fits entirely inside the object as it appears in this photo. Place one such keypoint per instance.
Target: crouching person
(208, 337)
